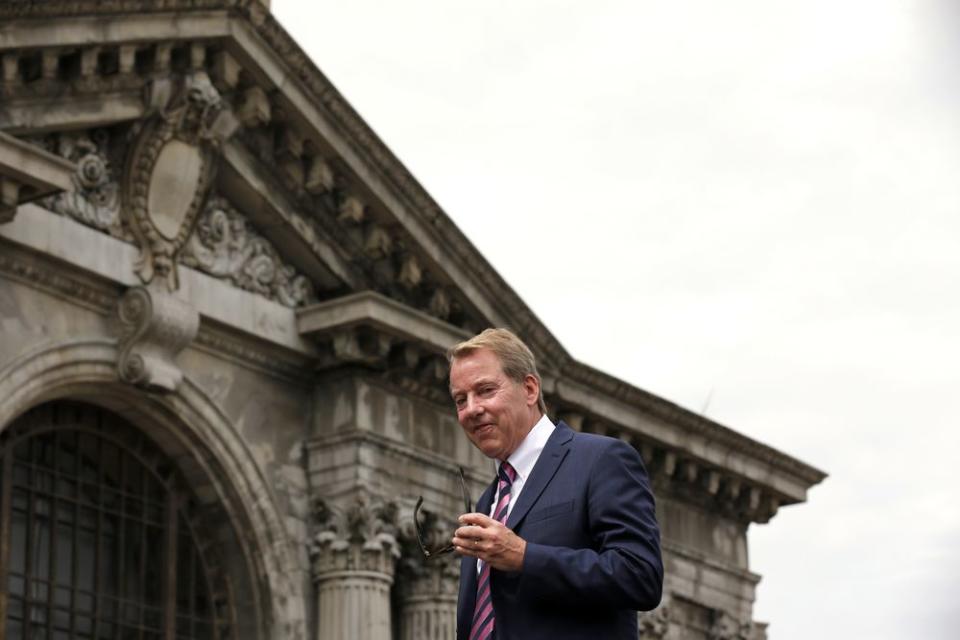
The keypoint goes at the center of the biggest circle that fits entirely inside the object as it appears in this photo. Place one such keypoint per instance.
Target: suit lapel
(558, 445)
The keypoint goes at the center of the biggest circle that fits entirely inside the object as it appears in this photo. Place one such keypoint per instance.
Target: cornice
(492, 298)
(28, 173)
(694, 423)
(73, 8)
(382, 313)
(49, 274)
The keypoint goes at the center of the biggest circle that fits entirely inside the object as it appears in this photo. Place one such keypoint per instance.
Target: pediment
(305, 206)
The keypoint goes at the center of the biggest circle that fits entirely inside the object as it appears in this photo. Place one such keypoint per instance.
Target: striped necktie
(483, 622)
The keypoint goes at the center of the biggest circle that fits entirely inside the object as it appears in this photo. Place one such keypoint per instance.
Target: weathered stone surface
(225, 245)
(427, 589)
(354, 552)
(27, 173)
(283, 405)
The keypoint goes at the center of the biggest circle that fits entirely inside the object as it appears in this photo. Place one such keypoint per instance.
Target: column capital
(419, 576)
(728, 627)
(655, 624)
(360, 536)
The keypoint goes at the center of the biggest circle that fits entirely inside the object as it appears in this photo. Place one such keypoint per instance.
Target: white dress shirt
(523, 459)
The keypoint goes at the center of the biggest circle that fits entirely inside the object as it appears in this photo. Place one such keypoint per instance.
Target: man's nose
(473, 407)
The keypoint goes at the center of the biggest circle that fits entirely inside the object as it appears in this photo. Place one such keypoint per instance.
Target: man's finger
(471, 532)
(468, 546)
(478, 519)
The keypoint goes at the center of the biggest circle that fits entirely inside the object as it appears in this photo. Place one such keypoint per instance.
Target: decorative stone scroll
(171, 169)
(225, 245)
(353, 555)
(95, 197)
(155, 327)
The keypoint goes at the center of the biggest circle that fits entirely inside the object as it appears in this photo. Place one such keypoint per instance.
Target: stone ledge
(379, 312)
(104, 256)
(585, 376)
(29, 32)
(28, 173)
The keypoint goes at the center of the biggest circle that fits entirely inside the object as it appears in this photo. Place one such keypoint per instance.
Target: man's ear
(531, 387)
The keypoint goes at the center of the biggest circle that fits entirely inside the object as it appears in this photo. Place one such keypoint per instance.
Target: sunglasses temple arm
(467, 502)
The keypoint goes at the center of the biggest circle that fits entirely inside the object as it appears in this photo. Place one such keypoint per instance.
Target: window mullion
(98, 546)
(6, 516)
(170, 564)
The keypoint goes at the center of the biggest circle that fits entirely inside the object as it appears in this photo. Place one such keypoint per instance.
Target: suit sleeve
(623, 568)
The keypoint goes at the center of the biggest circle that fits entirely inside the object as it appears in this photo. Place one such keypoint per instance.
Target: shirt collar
(526, 455)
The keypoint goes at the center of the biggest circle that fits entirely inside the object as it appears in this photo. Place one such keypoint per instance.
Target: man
(565, 542)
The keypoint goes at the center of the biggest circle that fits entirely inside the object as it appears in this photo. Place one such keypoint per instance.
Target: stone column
(353, 553)
(427, 589)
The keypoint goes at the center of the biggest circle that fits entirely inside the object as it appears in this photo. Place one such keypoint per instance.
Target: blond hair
(516, 359)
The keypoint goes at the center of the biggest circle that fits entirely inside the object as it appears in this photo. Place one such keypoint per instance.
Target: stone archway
(99, 535)
(191, 430)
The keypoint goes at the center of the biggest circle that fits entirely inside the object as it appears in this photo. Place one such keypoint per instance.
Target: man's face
(495, 412)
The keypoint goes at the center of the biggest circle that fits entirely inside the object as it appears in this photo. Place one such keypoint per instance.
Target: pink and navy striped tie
(483, 622)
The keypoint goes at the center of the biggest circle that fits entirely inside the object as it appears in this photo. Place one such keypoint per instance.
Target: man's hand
(482, 537)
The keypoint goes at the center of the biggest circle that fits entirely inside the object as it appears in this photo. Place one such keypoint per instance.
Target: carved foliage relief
(727, 627)
(95, 199)
(222, 243)
(654, 625)
(419, 576)
(225, 245)
(359, 536)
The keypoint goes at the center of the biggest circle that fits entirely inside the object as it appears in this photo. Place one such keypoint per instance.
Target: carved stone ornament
(155, 327)
(359, 537)
(727, 627)
(655, 624)
(225, 245)
(360, 345)
(416, 575)
(95, 198)
(171, 168)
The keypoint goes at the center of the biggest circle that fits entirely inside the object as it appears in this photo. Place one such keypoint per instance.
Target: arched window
(96, 539)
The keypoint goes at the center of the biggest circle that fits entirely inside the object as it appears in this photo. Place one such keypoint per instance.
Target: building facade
(223, 310)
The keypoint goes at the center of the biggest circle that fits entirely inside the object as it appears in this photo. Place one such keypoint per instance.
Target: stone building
(223, 308)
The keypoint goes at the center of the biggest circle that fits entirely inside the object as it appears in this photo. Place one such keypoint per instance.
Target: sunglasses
(467, 508)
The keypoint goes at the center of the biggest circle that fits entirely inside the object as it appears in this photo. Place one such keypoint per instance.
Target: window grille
(96, 541)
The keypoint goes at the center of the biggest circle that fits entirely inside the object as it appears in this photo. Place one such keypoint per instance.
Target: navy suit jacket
(593, 546)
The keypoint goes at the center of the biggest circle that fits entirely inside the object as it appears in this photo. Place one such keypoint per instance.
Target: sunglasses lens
(468, 506)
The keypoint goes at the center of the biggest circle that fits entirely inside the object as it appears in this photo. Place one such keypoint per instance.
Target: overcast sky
(749, 208)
